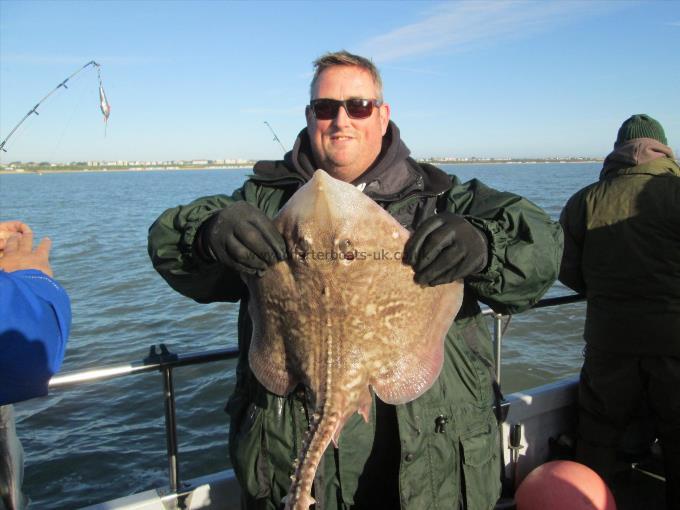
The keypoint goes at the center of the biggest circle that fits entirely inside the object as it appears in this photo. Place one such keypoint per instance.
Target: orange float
(564, 485)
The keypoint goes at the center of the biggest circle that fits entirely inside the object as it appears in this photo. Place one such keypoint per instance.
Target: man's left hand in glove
(445, 248)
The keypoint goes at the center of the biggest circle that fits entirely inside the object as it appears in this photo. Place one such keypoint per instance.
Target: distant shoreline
(66, 169)
(527, 161)
(94, 170)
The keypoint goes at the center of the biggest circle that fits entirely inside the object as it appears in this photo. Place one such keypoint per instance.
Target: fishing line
(76, 107)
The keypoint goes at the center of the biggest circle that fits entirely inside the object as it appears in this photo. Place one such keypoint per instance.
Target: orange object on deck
(564, 485)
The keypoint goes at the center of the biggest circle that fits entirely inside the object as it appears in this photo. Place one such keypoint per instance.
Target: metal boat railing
(165, 361)
(498, 329)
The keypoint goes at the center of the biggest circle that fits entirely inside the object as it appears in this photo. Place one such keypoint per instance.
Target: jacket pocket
(480, 470)
(246, 449)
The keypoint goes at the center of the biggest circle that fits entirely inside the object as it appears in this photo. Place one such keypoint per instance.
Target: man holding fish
(435, 446)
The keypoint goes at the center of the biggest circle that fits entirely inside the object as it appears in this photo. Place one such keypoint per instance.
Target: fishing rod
(276, 138)
(103, 103)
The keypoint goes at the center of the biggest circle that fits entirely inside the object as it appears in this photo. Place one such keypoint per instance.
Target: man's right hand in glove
(241, 237)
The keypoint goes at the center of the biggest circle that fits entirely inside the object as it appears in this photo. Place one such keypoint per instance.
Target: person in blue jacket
(35, 319)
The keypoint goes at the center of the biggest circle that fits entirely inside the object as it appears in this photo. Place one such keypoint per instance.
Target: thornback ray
(342, 315)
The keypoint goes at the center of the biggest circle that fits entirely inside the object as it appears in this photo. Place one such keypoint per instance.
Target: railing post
(171, 429)
(497, 342)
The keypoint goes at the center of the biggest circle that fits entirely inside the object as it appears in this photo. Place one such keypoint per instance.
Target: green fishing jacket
(447, 451)
(622, 250)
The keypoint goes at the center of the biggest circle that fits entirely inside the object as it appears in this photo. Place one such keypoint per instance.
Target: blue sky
(197, 80)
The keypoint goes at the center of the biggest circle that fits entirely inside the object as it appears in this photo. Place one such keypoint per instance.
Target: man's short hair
(345, 58)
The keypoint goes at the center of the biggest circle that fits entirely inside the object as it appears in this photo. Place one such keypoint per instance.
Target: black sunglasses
(327, 109)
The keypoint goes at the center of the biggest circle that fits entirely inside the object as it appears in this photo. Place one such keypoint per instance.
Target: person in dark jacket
(35, 314)
(622, 251)
(441, 450)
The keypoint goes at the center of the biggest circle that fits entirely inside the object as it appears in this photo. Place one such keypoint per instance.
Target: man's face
(342, 146)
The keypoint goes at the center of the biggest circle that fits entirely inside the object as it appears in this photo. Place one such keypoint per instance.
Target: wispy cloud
(413, 70)
(674, 23)
(450, 27)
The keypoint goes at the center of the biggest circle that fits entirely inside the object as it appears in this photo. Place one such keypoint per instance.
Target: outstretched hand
(18, 253)
(9, 229)
(241, 237)
(446, 248)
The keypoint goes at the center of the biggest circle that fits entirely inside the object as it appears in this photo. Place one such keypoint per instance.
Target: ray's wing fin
(268, 356)
(419, 356)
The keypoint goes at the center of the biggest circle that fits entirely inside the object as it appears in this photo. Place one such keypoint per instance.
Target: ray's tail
(322, 427)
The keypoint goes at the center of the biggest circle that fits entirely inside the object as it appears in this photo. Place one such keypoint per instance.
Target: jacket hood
(635, 152)
(301, 157)
(390, 172)
(391, 176)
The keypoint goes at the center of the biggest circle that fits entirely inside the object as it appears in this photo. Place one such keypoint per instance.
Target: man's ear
(309, 115)
(384, 113)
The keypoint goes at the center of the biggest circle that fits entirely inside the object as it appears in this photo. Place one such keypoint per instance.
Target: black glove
(445, 248)
(241, 237)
